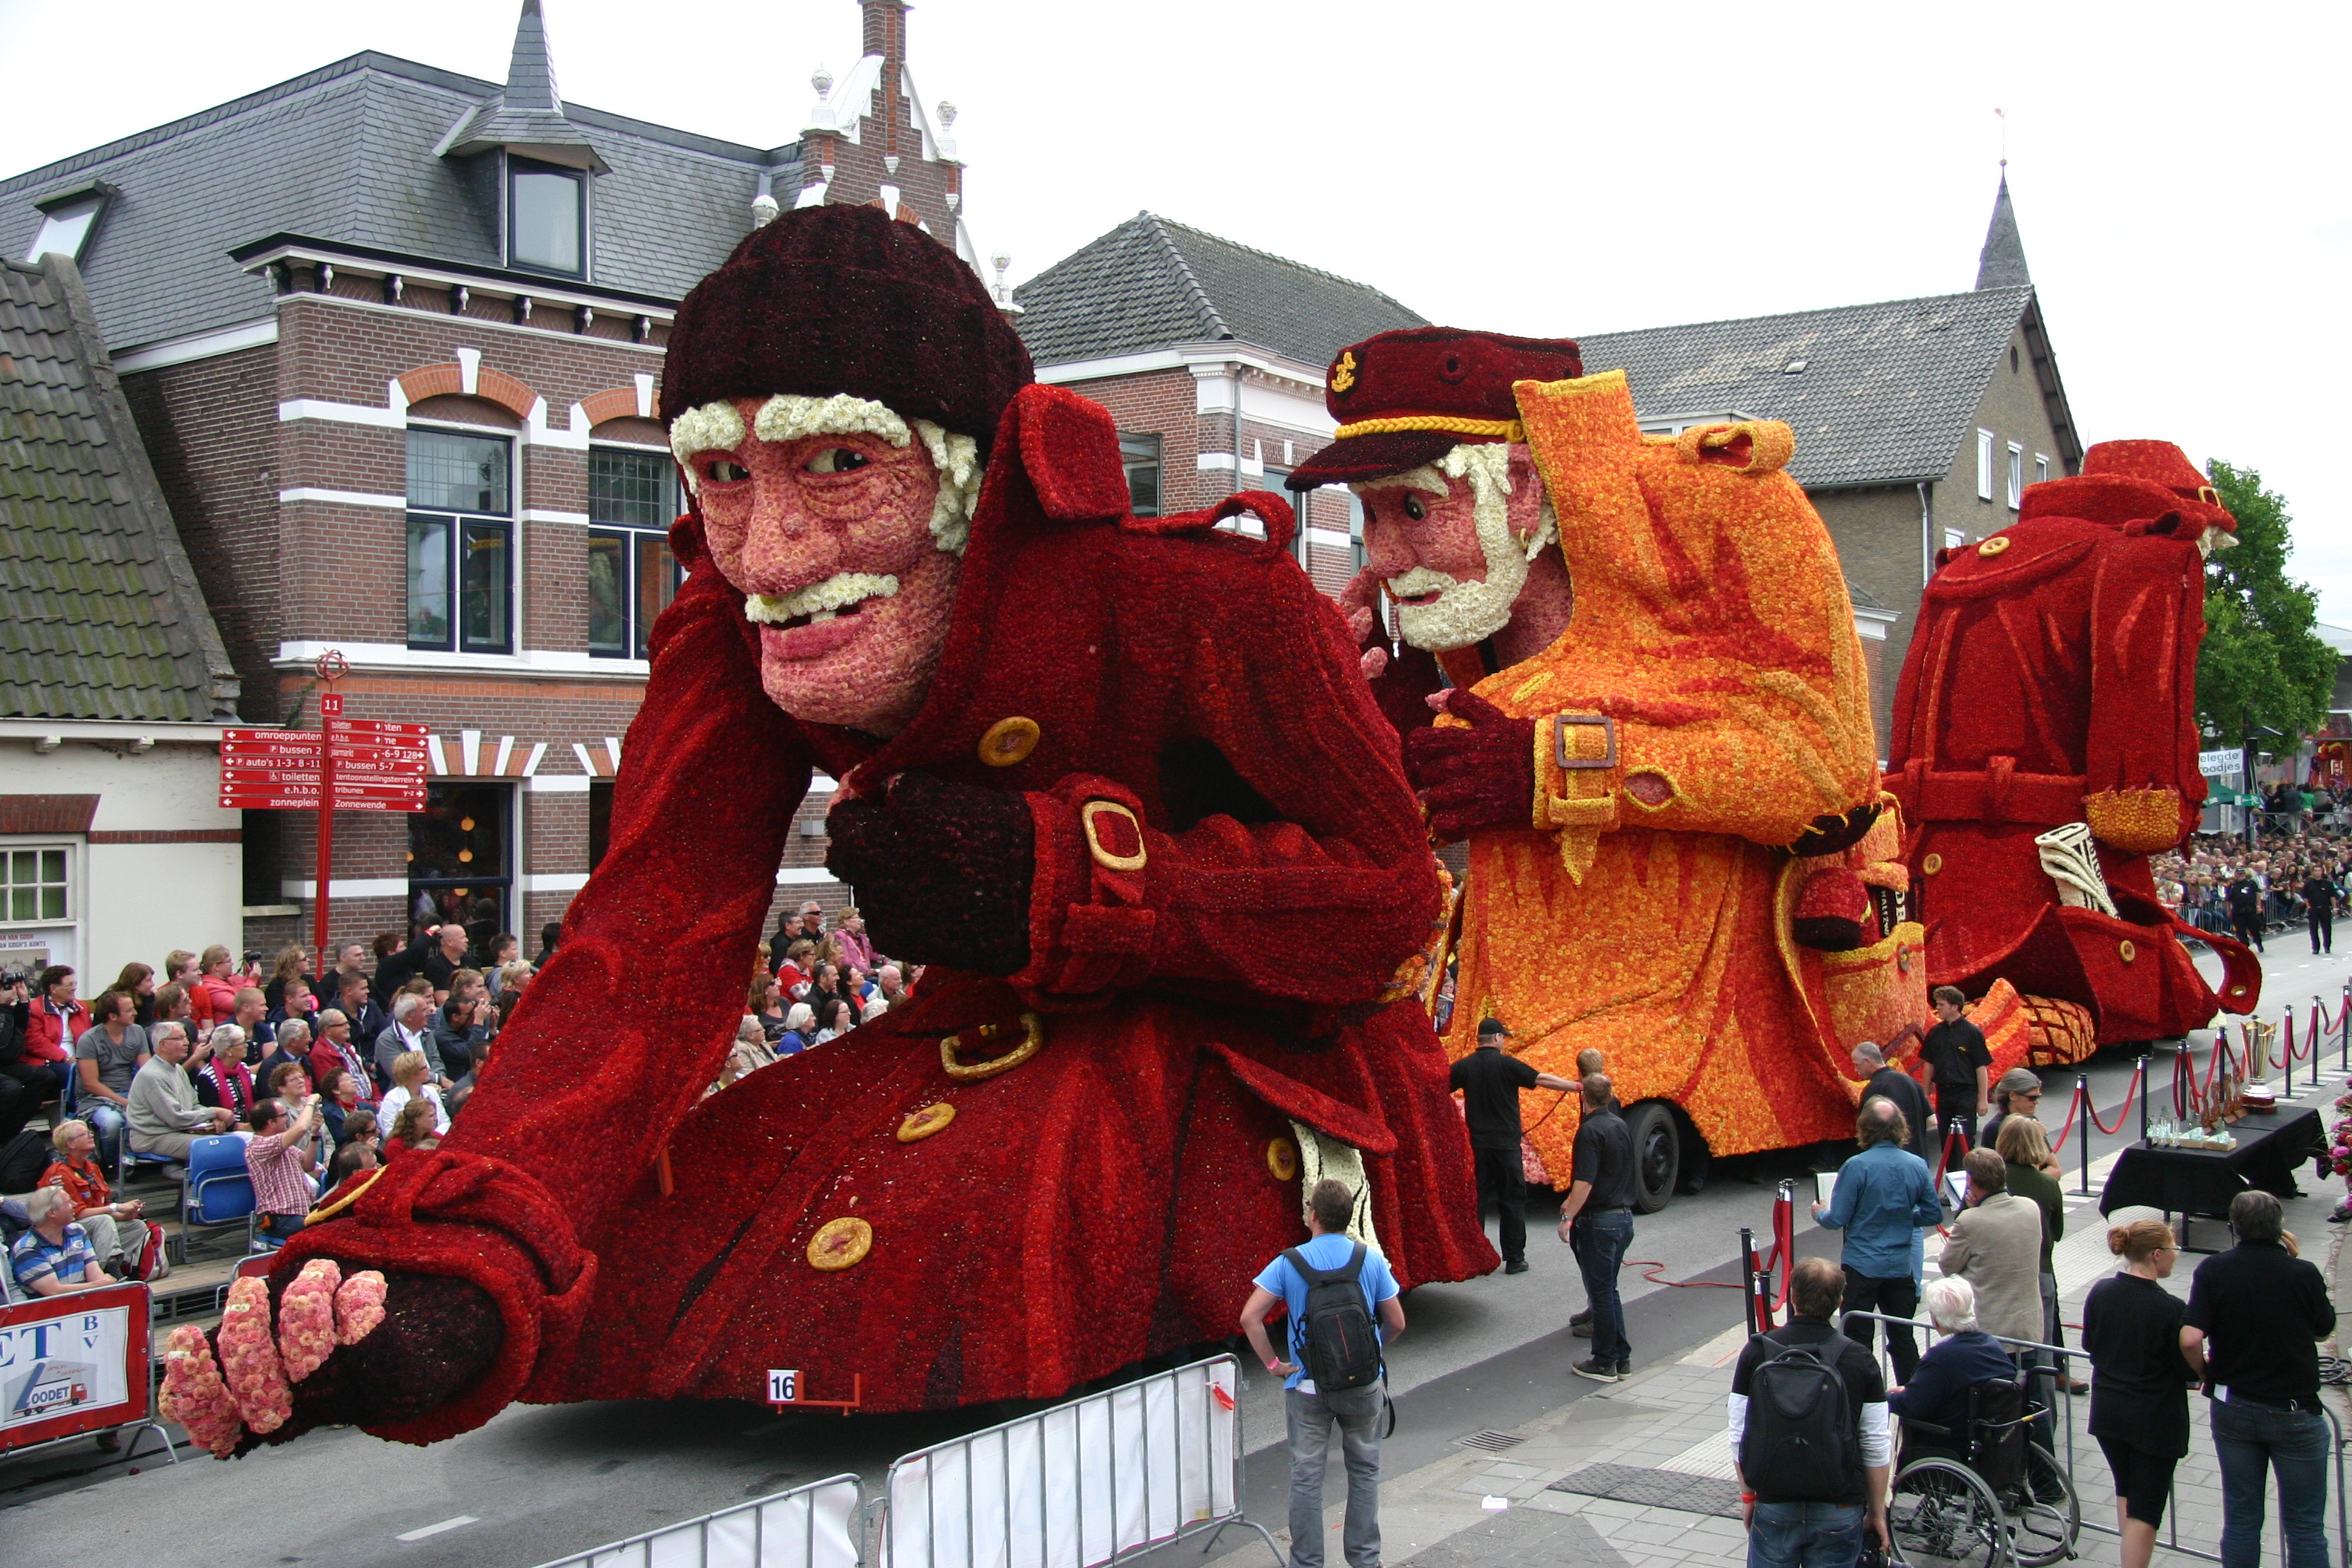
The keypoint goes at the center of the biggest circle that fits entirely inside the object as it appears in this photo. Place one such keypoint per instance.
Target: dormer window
(547, 217)
(66, 223)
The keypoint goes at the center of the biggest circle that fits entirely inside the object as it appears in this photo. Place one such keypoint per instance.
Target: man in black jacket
(2263, 1309)
(1489, 1079)
(1784, 1530)
(2319, 909)
(2246, 912)
(1892, 1083)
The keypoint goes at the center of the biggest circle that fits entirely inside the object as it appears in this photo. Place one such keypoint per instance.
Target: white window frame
(514, 165)
(2040, 468)
(630, 532)
(2016, 475)
(77, 216)
(69, 949)
(1984, 465)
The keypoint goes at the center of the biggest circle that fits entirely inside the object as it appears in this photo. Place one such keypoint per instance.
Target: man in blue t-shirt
(1312, 1413)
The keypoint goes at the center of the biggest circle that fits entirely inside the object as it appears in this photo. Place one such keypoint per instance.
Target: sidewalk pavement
(1662, 1432)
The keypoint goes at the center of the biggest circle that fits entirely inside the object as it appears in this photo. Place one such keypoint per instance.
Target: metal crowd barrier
(2065, 1416)
(812, 1526)
(1086, 1484)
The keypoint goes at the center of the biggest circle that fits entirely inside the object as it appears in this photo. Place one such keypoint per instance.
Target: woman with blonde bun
(2139, 1381)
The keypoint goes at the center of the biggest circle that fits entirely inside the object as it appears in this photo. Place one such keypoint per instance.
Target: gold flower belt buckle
(1033, 1029)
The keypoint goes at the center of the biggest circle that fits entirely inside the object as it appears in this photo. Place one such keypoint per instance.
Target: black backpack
(1336, 1342)
(1799, 1444)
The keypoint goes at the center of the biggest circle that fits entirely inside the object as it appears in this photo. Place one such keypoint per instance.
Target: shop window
(460, 542)
(632, 576)
(461, 858)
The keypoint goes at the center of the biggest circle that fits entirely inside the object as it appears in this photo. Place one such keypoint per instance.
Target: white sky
(1548, 168)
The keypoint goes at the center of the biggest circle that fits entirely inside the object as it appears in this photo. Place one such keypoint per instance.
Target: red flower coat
(2053, 678)
(1108, 1197)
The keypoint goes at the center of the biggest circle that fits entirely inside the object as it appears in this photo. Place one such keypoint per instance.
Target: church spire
(2001, 264)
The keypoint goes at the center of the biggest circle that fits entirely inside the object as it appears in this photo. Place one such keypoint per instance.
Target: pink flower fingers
(306, 1318)
(193, 1394)
(359, 1306)
(248, 1354)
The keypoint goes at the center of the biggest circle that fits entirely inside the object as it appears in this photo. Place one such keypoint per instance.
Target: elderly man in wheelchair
(1972, 1485)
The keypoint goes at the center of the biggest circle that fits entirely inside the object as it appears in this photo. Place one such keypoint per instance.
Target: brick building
(392, 336)
(1917, 421)
(1173, 330)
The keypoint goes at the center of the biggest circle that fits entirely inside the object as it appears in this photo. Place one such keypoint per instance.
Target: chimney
(886, 35)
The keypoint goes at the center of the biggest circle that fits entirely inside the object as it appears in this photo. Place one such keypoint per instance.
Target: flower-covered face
(1452, 542)
(830, 537)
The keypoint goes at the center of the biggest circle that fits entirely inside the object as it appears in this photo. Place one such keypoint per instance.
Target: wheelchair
(1989, 1498)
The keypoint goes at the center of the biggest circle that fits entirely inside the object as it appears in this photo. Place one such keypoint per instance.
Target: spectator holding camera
(282, 1159)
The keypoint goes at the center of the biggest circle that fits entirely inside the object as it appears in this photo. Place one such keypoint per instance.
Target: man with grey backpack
(1342, 1305)
(1809, 1434)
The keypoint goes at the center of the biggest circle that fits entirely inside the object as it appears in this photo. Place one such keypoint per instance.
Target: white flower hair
(718, 427)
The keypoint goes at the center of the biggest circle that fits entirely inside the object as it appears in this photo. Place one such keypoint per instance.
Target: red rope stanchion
(1650, 1271)
(2058, 1139)
(2129, 1090)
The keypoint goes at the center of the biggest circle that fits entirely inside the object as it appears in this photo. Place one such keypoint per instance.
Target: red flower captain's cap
(2130, 481)
(1408, 398)
(847, 299)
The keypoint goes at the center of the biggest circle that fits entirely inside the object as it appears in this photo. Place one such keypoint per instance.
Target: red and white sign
(75, 1363)
(379, 765)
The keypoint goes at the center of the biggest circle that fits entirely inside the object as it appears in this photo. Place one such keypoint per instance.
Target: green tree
(2263, 668)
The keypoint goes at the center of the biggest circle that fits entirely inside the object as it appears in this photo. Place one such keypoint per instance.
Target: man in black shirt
(1892, 1083)
(2254, 1312)
(1787, 1530)
(1597, 1221)
(2246, 910)
(1490, 1081)
(1955, 1052)
(2319, 909)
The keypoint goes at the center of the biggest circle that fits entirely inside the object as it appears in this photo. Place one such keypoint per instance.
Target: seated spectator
(290, 1081)
(54, 1258)
(293, 963)
(226, 1082)
(339, 1098)
(53, 1026)
(840, 1023)
(392, 968)
(409, 1031)
(828, 988)
(798, 970)
(350, 998)
(117, 1235)
(413, 1128)
(173, 1006)
(548, 935)
(412, 1079)
(282, 1159)
(1938, 1393)
(505, 949)
(336, 1049)
(512, 979)
(766, 1004)
(748, 1054)
(217, 987)
(106, 1057)
(349, 1161)
(164, 1114)
(350, 959)
(138, 982)
(800, 1028)
(299, 1005)
(849, 935)
(360, 1127)
(889, 984)
(465, 1024)
(293, 1049)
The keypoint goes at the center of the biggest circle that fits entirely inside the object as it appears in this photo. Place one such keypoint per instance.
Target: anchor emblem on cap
(1343, 373)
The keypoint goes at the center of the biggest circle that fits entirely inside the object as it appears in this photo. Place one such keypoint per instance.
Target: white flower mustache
(843, 593)
(1417, 581)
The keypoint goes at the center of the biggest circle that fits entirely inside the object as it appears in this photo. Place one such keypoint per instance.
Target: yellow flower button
(840, 1244)
(2125, 951)
(920, 1124)
(1281, 1159)
(1009, 741)
(1931, 864)
(1995, 545)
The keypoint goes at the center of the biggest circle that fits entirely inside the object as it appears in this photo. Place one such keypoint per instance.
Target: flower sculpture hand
(250, 1387)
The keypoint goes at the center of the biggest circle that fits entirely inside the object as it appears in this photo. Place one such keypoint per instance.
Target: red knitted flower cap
(1408, 398)
(2126, 481)
(843, 299)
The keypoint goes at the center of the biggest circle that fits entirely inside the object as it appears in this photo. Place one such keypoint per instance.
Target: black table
(2199, 1183)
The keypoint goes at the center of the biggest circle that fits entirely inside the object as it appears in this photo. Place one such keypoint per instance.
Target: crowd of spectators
(327, 1067)
(2226, 885)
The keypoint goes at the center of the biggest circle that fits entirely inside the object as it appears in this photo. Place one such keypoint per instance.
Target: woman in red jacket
(212, 998)
(54, 1022)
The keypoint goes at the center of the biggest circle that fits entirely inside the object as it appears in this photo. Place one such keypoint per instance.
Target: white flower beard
(1464, 614)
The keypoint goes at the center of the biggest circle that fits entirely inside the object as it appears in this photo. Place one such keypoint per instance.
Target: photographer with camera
(22, 1082)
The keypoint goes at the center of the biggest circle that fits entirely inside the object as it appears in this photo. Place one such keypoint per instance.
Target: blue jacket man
(1937, 1394)
(1882, 1198)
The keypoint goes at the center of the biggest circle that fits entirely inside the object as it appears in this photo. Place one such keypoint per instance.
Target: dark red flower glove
(1481, 777)
(943, 872)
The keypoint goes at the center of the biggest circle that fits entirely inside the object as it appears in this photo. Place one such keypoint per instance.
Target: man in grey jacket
(1996, 1247)
(411, 1030)
(164, 1114)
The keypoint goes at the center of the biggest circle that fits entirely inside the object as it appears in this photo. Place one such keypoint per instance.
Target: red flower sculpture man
(1116, 780)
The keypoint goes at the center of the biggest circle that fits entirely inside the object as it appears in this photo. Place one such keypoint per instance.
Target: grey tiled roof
(1885, 394)
(104, 617)
(345, 154)
(1150, 283)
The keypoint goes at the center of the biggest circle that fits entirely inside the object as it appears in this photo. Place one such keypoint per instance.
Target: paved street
(1489, 1353)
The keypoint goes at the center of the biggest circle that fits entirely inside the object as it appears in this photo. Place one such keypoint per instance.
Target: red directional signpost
(347, 764)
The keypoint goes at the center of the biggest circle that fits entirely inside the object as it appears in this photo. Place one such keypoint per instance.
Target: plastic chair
(219, 1191)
